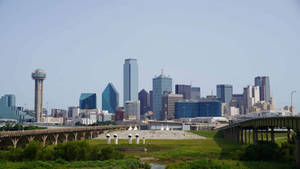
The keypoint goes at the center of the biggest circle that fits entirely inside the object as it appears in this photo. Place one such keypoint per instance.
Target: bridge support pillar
(267, 134)
(246, 136)
(15, 142)
(242, 136)
(44, 139)
(55, 139)
(237, 133)
(272, 135)
(298, 149)
(249, 137)
(91, 135)
(83, 136)
(66, 137)
(30, 138)
(75, 136)
(255, 136)
(289, 135)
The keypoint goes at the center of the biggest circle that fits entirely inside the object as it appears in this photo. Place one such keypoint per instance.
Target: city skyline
(79, 64)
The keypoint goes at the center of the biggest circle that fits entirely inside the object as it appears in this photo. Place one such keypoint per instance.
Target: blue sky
(82, 45)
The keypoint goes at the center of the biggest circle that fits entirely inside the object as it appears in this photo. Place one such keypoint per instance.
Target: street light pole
(292, 93)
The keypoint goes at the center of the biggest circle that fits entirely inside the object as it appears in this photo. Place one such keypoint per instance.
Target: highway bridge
(242, 132)
(53, 136)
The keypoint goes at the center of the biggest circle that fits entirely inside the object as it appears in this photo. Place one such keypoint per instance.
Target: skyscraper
(110, 98)
(144, 98)
(9, 100)
(264, 87)
(168, 102)
(195, 93)
(185, 90)
(130, 79)
(151, 100)
(132, 109)
(39, 76)
(251, 96)
(160, 85)
(224, 93)
(88, 101)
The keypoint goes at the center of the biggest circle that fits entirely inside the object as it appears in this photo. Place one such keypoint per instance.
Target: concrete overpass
(241, 132)
(53, 136)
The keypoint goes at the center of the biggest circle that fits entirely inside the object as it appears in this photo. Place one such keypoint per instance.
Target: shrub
(14, 154)
(110, 153)
(203, 164)
(262, 151)
(46, 154)
(31, 150)
(72, 151)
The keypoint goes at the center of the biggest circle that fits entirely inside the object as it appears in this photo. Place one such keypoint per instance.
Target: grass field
(109, 164)
(213, 147)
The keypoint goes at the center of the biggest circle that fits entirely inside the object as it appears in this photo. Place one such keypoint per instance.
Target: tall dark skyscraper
(151, 100)
(131, 80)
(144, 98)
(110, 98)
(88, 101)
(185, 90)
(161, 84)
(264, 87)
(195, 93)
(224, 93)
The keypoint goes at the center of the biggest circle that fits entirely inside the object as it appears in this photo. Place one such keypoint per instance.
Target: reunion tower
(38, 75)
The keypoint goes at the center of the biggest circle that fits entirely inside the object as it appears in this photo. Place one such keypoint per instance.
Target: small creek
(157, 166)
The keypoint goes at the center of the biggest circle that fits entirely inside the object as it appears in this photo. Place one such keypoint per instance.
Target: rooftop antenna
(162, 71)
(212, 92)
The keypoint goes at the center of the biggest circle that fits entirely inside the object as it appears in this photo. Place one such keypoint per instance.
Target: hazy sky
(82, 44)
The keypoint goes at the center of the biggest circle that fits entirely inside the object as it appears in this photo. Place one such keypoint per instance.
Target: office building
(160, 85)
(144, 98)
(264, 88)
(195, 93)
(120, 114)
(38, 76)
(130, 80)
(168, 102)
(9, 100)
(191, 109)
(224, 93)
(251, 97)
(132, 109)
(151, 100)
(59, 113)
(185, 90)
(73, 112)
(110, 98)
(238, 102)
(88, 101)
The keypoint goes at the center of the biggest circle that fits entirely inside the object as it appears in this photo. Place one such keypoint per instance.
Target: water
(157, 166)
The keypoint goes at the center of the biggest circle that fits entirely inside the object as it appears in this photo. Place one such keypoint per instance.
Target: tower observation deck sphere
(39, 74)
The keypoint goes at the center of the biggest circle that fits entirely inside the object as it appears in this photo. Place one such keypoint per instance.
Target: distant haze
(82, 45)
